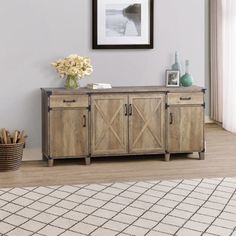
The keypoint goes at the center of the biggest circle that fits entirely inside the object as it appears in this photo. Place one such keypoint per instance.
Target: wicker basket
(11, 156)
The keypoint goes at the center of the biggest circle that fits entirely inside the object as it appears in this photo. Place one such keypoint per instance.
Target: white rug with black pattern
(155, 208)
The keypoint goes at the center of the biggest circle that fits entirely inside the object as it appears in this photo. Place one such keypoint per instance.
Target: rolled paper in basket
(4, 135)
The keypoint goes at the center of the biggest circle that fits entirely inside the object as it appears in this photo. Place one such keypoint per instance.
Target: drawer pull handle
(171, 118)
(69, 101)
(126, 109)
(185, 99)
(84, 121)
(130, 110)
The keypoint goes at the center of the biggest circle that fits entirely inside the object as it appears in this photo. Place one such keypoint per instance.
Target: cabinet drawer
(68, 101)
(185, 98)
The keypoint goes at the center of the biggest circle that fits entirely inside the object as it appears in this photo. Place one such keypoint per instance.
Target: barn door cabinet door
(123, 124)
(185, 127)
(109, 124)
(146, 123)
(68, 132)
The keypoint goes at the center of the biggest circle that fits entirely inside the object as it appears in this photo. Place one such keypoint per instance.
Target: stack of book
(98, 86)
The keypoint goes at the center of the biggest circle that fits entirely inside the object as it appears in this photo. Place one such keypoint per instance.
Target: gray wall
(36, 32)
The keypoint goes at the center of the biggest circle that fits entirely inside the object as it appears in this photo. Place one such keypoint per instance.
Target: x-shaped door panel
(109, 125)
(146, 123)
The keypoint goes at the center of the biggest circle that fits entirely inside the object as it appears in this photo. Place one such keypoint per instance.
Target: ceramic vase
(186, 80)
(177, 65)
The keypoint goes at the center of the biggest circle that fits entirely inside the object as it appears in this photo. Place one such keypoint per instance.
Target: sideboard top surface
(125, 89)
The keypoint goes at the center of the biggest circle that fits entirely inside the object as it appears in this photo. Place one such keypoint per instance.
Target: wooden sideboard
(85, 123)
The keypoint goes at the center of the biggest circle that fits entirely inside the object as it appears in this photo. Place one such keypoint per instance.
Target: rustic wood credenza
(85, 123)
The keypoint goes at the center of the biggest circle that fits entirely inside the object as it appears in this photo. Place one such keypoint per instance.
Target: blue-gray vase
(177, 65)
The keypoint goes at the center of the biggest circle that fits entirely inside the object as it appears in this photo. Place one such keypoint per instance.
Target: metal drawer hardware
(171, 118)
(185, 99)
(126, 109)
(84, 121)
(69, 101)
(130, 110)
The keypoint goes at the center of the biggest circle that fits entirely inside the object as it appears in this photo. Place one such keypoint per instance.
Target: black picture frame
(95, 28)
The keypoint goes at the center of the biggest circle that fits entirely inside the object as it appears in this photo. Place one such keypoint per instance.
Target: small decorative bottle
(186, 80)
(177, 65)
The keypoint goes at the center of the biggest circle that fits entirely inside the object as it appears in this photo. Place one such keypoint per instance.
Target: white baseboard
(208, 120)
(32, 154)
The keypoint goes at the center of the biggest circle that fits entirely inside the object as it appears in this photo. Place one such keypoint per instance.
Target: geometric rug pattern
(153, 208)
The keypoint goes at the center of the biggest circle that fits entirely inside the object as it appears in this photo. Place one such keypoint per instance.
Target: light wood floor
(220, 162)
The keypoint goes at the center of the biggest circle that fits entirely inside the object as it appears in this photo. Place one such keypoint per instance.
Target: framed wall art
(123, 24)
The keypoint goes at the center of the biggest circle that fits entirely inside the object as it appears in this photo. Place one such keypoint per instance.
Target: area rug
(154, 208)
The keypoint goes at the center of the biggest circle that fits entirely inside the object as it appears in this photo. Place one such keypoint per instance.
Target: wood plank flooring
(220, 162)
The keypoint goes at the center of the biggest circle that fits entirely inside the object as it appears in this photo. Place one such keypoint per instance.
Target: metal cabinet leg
(50, 162)
(201, 155)
(87, 160)
(44, 157)
(167, 157)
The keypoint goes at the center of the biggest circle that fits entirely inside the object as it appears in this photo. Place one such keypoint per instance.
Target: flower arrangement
(72, 68)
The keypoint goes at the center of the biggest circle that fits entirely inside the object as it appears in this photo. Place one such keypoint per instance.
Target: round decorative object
(11, 156)
(72, 82)
(186, 80)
